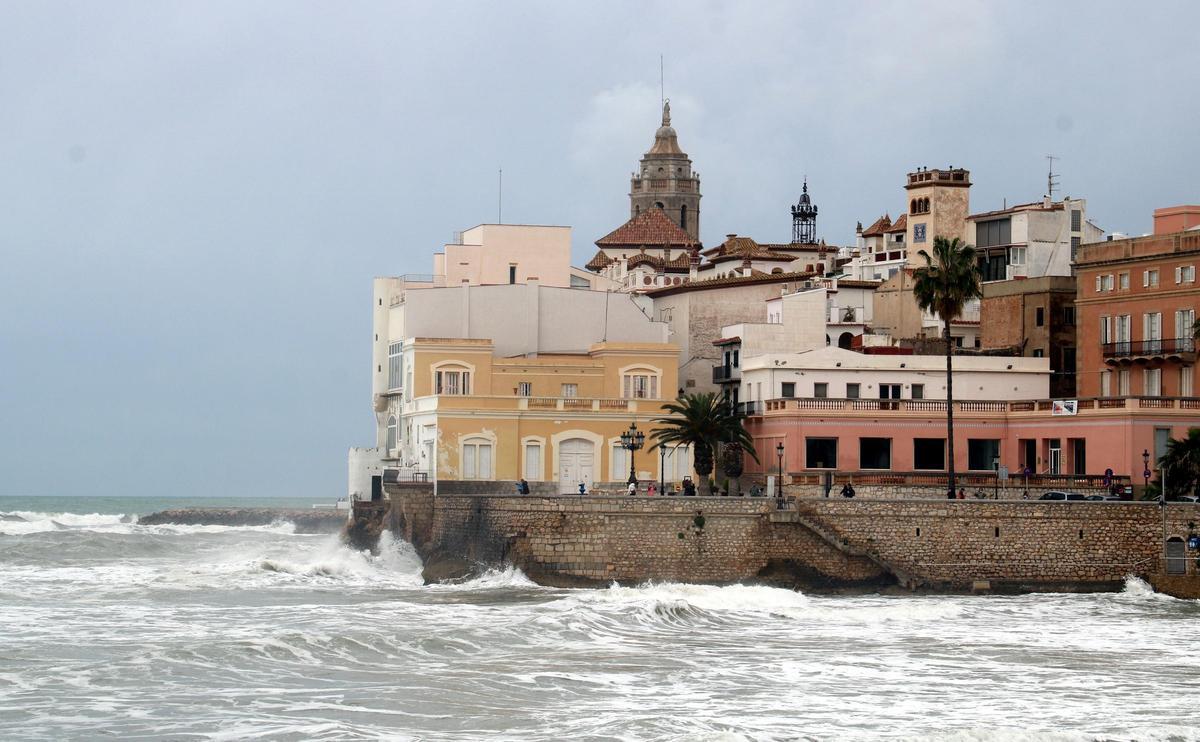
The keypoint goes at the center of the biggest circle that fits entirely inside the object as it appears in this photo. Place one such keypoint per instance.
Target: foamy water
(111, 629)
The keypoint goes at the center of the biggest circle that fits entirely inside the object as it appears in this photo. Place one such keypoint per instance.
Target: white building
(1031, 240)
(834, 373)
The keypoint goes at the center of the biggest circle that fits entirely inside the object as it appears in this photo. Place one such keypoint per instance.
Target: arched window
(683, 217)
(924, 206)
(659, 205)
(912, 206)
(452, 377)
(390, 441)
(637, 210)
(777, 270)
(640, 382)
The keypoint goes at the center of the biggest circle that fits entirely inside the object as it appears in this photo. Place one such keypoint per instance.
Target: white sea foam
(492, 579)
(27, 522)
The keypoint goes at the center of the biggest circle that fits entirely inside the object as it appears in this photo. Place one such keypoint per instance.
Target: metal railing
(938, 406)
(1158, 347)
(722, 374)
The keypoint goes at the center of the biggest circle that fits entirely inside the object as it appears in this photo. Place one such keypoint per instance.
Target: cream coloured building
(466, 413)
(523, 380)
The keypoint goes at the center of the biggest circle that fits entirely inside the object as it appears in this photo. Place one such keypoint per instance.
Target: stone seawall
(814, 544)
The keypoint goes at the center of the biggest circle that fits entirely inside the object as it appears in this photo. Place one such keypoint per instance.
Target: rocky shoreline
(306, 521)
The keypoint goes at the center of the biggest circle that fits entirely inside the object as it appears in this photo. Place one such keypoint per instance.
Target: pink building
(909, 435)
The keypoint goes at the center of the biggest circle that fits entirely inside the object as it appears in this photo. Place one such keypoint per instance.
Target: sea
(114, 630)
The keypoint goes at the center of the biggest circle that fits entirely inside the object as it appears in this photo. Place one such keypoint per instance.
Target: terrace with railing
(1183, 349)
(1189, 406)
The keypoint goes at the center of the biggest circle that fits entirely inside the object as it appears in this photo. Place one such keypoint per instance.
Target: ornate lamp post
(632, 439)
(779, 478)
(1146, 469)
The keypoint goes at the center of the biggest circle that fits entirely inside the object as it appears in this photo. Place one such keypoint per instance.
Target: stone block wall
(566, 540)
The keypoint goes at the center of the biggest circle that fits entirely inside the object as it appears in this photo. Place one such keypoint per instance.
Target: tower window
(683, 216)
(512, 274)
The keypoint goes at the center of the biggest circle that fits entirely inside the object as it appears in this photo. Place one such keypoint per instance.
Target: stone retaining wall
(816, 543)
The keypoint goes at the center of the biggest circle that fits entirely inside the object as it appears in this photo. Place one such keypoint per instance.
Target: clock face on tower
(918, 233)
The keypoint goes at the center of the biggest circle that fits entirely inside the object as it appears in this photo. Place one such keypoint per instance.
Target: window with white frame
(1186, 377)
(1123, 382)
(1185, 274)
(1106, 383)
(395, 365)
(477, 459)
(1150, 278)
(1106, 329)
(1016, 256)
(640, 384)
(1152, 386)
(1152, 331)
(533, 461)
(390, 440)
(1185, 319)
(452, 381)
(570, 390)
(1124, 281)
(1122, 332)
(524, 389)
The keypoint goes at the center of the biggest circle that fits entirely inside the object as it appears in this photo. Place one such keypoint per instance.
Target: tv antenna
(500, 198)
(1051, 177)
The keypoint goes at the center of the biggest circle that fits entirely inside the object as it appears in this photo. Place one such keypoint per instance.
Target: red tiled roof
(727, 341)
(716, 283)
(878, 226)
(900, 225)
(652, 228)
(599, 262)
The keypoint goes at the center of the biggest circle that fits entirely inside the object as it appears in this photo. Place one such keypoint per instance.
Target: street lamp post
(779, 477)
(632, 439)
(662, 469)
(1145, 470)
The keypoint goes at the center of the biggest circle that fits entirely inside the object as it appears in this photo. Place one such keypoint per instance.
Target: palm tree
(731, 465)
(944, 285)
(1181, 464)
(701, 421)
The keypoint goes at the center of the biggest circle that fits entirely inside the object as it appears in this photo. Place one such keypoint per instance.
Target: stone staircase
(831, 537)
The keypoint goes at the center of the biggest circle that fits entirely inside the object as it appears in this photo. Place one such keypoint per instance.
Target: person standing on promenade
(651, 491)
(633, 488)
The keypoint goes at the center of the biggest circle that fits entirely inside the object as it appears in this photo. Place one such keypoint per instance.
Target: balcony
(746, 409)
(1131, 351)
(726, 374)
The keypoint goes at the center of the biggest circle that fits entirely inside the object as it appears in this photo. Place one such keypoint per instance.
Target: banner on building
(1064, 407)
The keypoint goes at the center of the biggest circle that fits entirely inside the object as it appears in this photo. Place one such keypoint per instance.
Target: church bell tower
(665, 180)
(804, 220)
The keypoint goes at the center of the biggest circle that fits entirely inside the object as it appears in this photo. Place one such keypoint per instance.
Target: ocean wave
(491, 579)
(1138, 590)
(23, 522)
(395, 564)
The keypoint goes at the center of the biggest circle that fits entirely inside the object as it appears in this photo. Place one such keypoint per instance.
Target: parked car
(1104, 498)
(1058, 495)
(1187, 498)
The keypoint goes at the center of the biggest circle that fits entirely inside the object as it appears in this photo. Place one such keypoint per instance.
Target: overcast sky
(195, 196)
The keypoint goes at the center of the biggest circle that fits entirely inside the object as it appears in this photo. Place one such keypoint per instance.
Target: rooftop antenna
(500, 199)
(1051, 178)
(662, 86)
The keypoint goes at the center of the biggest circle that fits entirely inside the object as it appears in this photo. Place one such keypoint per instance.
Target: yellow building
(465, 414)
